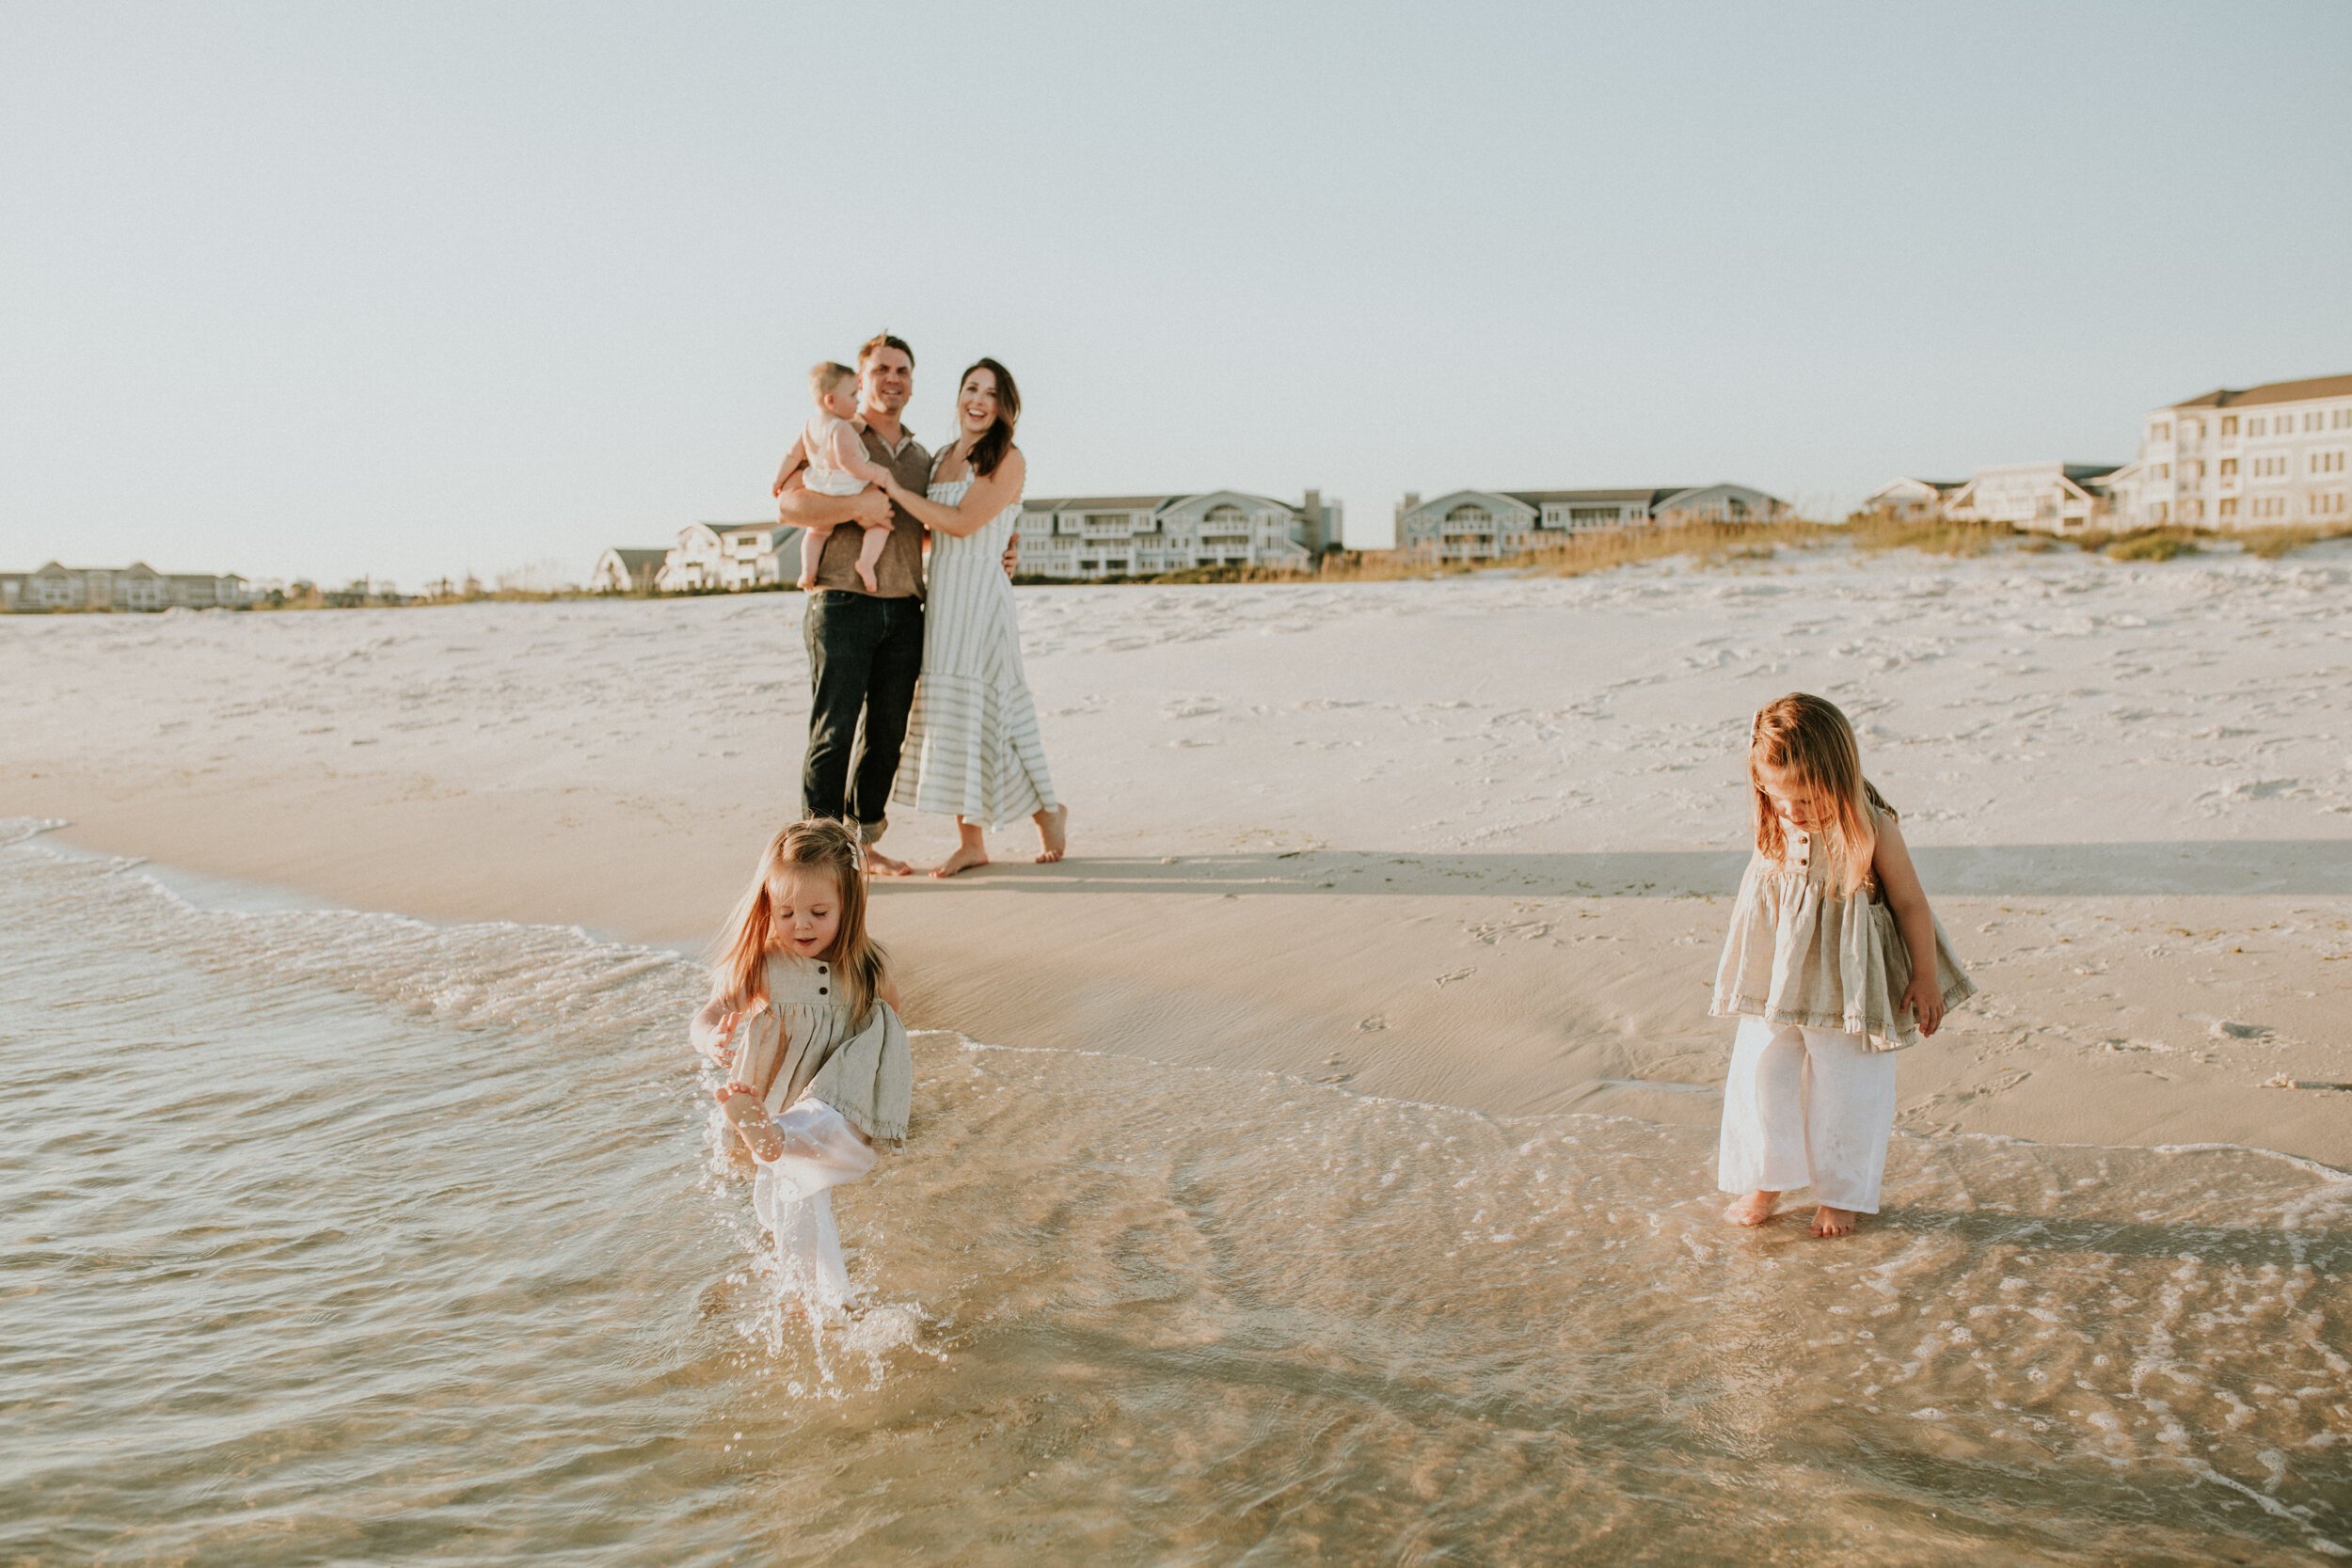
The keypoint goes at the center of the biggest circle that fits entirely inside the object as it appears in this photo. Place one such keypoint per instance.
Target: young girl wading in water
(821, 1072)
(1834, 956)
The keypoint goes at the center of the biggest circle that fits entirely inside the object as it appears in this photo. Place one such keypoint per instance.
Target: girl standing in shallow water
(822, 1072)
(1832, 956)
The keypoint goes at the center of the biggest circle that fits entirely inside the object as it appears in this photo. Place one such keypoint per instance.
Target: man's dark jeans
(864, 655)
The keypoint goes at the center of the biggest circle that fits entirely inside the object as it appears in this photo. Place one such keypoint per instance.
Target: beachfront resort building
(137, 586)
(1487, 525)
(1910, 499)
(725, 556)
(1107, 536)
(2047, 497)
(624, 570)
(2257, 457)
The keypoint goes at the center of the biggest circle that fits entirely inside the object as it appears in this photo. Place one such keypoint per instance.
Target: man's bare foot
(964, 859)
(866, 576)
(1832, 1221)
(1755, 1209)
(1053, 834)
(880, 864)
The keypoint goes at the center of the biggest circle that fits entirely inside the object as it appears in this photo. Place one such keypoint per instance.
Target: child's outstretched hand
(1923, 1001)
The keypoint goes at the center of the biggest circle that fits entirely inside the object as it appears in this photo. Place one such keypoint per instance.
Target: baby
(833, 446)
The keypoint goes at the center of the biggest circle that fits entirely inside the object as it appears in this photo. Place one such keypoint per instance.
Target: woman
(972, 748)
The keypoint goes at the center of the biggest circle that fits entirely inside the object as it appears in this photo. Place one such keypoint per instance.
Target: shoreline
(1458, 843)
(239, 893)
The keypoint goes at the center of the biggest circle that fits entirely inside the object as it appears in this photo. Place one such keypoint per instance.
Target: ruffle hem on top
(1802, 951)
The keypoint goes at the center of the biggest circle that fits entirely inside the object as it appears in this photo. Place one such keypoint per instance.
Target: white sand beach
(1468, 841)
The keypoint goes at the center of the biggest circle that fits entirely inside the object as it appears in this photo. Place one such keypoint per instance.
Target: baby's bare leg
(811, 551)
(870, 551)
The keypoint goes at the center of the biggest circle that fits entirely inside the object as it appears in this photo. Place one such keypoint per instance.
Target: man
(866, 648)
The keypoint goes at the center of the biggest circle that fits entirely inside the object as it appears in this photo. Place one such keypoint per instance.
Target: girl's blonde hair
(1808, 736)
(818, 844)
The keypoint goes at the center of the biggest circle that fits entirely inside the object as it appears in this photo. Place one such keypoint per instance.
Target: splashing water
(341, 1236)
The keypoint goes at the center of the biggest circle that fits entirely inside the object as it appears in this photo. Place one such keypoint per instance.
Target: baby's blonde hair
(1810, 737)
(741, 973)
(823, 378)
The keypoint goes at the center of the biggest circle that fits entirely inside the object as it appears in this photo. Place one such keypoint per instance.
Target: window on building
(2312, 420)
(2229, 425)
(2229, 468)
(2163, 470)
(2255, 425)
(2192, 429)
(2161, 430)
(2229, 506)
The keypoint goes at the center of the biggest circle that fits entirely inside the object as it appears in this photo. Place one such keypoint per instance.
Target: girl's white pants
(1806, 1107)
(793, 1198)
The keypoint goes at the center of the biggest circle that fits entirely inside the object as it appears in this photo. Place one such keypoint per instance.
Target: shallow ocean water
(338, 1237)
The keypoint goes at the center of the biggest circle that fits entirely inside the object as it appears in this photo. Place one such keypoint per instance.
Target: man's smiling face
(885, 381)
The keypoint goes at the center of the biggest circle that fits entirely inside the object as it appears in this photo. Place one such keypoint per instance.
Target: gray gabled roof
(1107, 503)
(640, 557)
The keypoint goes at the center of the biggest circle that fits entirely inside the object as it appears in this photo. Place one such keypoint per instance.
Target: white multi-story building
(2047, 497)
(1487, 525)
(728, 556)
(2259, 457)
(137, 586)
(1104, 536)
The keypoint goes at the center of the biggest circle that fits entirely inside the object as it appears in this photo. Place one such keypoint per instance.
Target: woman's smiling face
(803, 911)
(976, 400)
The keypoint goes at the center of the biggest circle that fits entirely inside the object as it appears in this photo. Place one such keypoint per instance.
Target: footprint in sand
(1372, 1025)
(1450, 977)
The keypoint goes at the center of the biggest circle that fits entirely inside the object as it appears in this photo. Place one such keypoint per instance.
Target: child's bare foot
(866, 576)
(1755, 1209)
(1832, 1221)
(1053, 834)
(967, 857)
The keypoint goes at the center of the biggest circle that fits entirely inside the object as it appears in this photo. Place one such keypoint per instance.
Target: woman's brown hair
(1810, 737)
(988, 452)
(819, 844)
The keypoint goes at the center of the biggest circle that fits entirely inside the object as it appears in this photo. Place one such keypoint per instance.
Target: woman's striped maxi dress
(972, 748)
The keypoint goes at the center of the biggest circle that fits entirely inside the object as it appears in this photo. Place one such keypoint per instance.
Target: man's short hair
(825, 378)
(880, 341)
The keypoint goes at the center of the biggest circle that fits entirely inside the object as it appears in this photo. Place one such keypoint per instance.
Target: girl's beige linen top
(1804, 951)
(805, 1042)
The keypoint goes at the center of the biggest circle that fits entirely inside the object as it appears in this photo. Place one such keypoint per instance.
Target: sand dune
(1468, 840)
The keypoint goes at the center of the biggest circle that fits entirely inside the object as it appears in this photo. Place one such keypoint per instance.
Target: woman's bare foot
(1832, 1221)
(967, 857)
(1053, 834)
(1755, 1209)
(880, 864)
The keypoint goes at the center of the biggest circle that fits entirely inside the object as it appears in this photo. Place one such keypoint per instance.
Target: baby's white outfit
(1812, 969)
(826, 1077)
(817, 446)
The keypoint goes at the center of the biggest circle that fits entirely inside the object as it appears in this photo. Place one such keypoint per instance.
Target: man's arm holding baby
(798, 506)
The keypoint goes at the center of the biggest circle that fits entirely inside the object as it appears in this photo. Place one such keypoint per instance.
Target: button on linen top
(1804, 951)
(804, 1042)
(898, 574)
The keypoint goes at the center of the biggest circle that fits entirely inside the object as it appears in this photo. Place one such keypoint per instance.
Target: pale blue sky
(411, 288)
